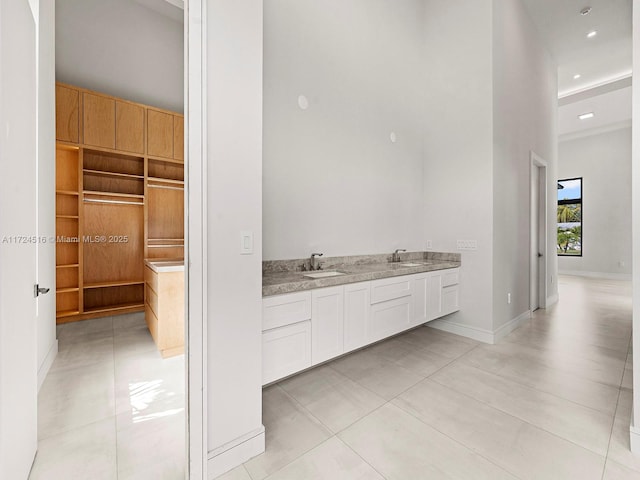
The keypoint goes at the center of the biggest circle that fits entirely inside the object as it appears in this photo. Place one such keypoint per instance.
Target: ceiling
(598, 60)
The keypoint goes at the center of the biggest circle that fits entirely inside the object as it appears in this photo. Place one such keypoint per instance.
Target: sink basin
(411, 264)
(323, 274)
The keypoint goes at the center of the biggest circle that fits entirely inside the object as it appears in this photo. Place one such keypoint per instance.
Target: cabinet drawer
(152, 322)
(285, 350)
(281, 310)
(450, 277)
(389, 318)
(390, 288)
(450, 299)
(151, 299)
(151, 278)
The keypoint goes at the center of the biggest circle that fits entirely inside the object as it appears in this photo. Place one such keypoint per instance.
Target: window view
(570, 217)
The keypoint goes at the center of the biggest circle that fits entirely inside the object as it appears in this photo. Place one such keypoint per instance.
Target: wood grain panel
(129, 127)
(67, 277)
(159, 134)
(99, 120)
(169, 170)
(166, 212)
(66, 169)
(67, 301)
(178, 137)
(67, 114)
(106, 261)
(97, 298)
(113, 162)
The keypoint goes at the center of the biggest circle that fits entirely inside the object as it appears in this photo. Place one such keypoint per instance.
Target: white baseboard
(46, 364)
(634, 437)
(552, 300)
(510, 326)
(235, 453)
(604, 275)
(481, 334)
(474, 333)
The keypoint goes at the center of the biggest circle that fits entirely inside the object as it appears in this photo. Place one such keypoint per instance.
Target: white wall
(525, 119)
(604, 163)
(333, 180)
(121, 48)
(233, 186)
(458, 138)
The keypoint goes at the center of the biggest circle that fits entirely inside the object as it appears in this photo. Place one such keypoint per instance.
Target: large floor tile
(526, 451)
(238, 473)
(383, 377)
(290, 432)
(152, 448)
(581, 425)
(541, 377)
(94, 326)
(128, 320)
(75, 397)
(615, 471)
(421, 361)
(87, 452)
(332, 460)
(132, 341)
(83, 350)
(401, 447)
(441, 343)
(332, 398)
(620, 447)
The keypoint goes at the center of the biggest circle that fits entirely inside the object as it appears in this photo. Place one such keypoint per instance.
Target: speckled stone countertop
(286, 276)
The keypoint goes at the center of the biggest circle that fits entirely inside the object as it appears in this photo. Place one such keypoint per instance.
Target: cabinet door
(280, 310)
(434, 295)
(285, 350)
(67, 114)
(129, 127)
(389, 318)
(178, 137)
(390, 288)
(99, 120)
(159, 134)
(327, 325)
(357, 308)
(450, 300)
(420, 297)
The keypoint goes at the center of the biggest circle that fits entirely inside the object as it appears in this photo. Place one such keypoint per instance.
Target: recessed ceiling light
(576, 76)
(585, 11)
(586, 116)
(592, 33)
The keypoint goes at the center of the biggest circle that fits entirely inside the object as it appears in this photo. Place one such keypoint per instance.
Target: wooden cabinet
(285, 350)
(178, 137)
(159, 134)
(327, 323)
(129, 127)
(115, 204)
(164, 306)
(357, 307)
(99, 120)
(67, 114)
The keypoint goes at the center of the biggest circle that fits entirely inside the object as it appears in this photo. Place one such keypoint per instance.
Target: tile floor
(111, 407)
(550, 401)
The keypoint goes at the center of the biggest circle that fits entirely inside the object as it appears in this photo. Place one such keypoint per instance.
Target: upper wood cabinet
(159, 134)
(99, 120)
(67, 114)
(178, 137)
(129, 127)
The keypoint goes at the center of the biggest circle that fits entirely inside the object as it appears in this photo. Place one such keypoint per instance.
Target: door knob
(38, 290)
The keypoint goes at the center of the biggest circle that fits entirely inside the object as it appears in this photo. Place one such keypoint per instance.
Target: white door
(538, 252)
(535, 247)
(18, 227)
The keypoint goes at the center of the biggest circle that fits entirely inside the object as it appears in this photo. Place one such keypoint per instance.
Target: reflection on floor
(551, 401)
(111, 407)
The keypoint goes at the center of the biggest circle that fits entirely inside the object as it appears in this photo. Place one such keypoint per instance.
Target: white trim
(634, 439)
(46, 364)
(196, 238)
(474, 333)
(602, 83)
(230, 455)
(510, 326)
(552, 300)
(603, 275)
(612, 127)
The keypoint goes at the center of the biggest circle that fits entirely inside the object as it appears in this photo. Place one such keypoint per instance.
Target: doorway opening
(538, 250)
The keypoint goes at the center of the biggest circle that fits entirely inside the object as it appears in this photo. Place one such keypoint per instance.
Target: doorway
(538, 250)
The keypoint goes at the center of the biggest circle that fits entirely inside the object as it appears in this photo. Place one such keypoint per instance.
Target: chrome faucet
(396, 255)
(313, 261)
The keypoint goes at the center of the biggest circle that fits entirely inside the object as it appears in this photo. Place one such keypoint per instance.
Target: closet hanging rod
(112, 202)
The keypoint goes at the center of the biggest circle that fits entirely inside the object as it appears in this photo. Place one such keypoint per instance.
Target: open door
(18, 240)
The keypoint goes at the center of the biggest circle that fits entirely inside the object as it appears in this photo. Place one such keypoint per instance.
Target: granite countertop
(285, 276)
(165, 266)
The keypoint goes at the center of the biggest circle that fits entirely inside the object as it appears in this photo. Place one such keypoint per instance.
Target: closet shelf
(122, 283)
(103, 173)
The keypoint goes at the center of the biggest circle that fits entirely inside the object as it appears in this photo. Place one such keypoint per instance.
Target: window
(570, 217)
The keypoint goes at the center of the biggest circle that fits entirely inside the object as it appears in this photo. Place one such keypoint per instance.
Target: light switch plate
(246, 242)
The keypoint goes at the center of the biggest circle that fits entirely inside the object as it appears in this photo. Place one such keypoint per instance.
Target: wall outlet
(508, 298)
(429, 245)
(467, 244)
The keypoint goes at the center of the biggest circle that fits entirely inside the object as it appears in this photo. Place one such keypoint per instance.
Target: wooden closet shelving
(119, 200)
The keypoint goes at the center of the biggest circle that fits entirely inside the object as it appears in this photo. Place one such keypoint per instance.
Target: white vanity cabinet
(357, 308)
(327, 323)
(391, 306)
